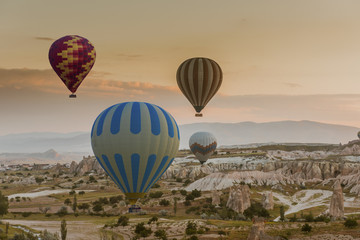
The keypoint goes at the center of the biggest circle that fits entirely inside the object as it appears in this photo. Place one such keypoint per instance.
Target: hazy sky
(282, 59)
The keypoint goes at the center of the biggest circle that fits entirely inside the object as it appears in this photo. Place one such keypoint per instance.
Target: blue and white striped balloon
(135, 142)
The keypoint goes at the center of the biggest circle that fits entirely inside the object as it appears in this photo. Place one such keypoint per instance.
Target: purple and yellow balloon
(72, 58)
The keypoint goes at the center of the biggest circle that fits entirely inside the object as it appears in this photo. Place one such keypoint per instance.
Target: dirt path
(76, 230)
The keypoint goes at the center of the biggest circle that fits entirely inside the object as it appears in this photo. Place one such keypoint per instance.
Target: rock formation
(257, 231)
(239, 198)
(215, 195)
(336, 209)
(88, 164)
(73, 167)
(268, 201)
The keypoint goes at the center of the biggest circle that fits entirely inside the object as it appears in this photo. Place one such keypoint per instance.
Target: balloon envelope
(72, 58)
(135, 142)
(199, 79)
(202, 145)
(358, 134)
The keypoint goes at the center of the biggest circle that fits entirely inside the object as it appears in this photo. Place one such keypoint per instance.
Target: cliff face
(257, 231)
(304, 170)
(215, 195)
(239, 198)
(268, 201)
(88, 164)
(336, 209)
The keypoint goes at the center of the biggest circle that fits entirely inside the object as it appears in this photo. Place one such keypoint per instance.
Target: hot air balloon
(72, 58)
(358, 134)
(135, 142)
(202, 145)
(199, 79)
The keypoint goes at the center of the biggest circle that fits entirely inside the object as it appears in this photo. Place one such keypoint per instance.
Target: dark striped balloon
(199, 79)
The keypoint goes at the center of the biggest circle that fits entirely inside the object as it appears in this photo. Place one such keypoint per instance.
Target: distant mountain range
(50, 156)
(271, 132)
(226, 134)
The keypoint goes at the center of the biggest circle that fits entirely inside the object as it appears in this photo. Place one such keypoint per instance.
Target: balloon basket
(134, 209)
(198, 115)
(73, 95)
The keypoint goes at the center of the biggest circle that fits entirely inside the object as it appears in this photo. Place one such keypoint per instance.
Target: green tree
(83, 206)
(164, 202)
(7, 228)
(196, 193)
(123, 221)
(160, 234)
(97, 208)
(191, 228)
(142, 231)
(74, 205)
(67, 201)
(256, 209)
(4, 205)
(63, 229)
(153, 219)
(62, 211)
(39, 180)
(282, 213)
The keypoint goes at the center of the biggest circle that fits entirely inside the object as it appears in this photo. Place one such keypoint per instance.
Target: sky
(281, 59)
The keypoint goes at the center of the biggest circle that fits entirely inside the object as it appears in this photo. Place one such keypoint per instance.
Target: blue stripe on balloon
(149, 167)
(116, 118)
(164, 169)
(135, 162)
(163, 161)
(135, 123)
(177, 127)
(101, 121)
(108, 165)
(154, 118)
(169, 123)
(93, 127)
(120, 164)
(118, 184)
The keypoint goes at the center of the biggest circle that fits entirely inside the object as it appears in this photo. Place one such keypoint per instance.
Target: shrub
(183, 192)
(164, 202)
(256, 209)
(350, 223)
(97, 208)
(187, 182)
(196, 193)
(62, 211)
(189, 197)
(123, 221)
(156, 185)
(187, 203)
(153, 219)
(191, 228)
(157, 194)
(306, 228)
(26, 214)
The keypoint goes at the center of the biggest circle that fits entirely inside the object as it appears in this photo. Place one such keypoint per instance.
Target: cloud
(126, 56)
(36, 100)
(44, 39)
(292, 85)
